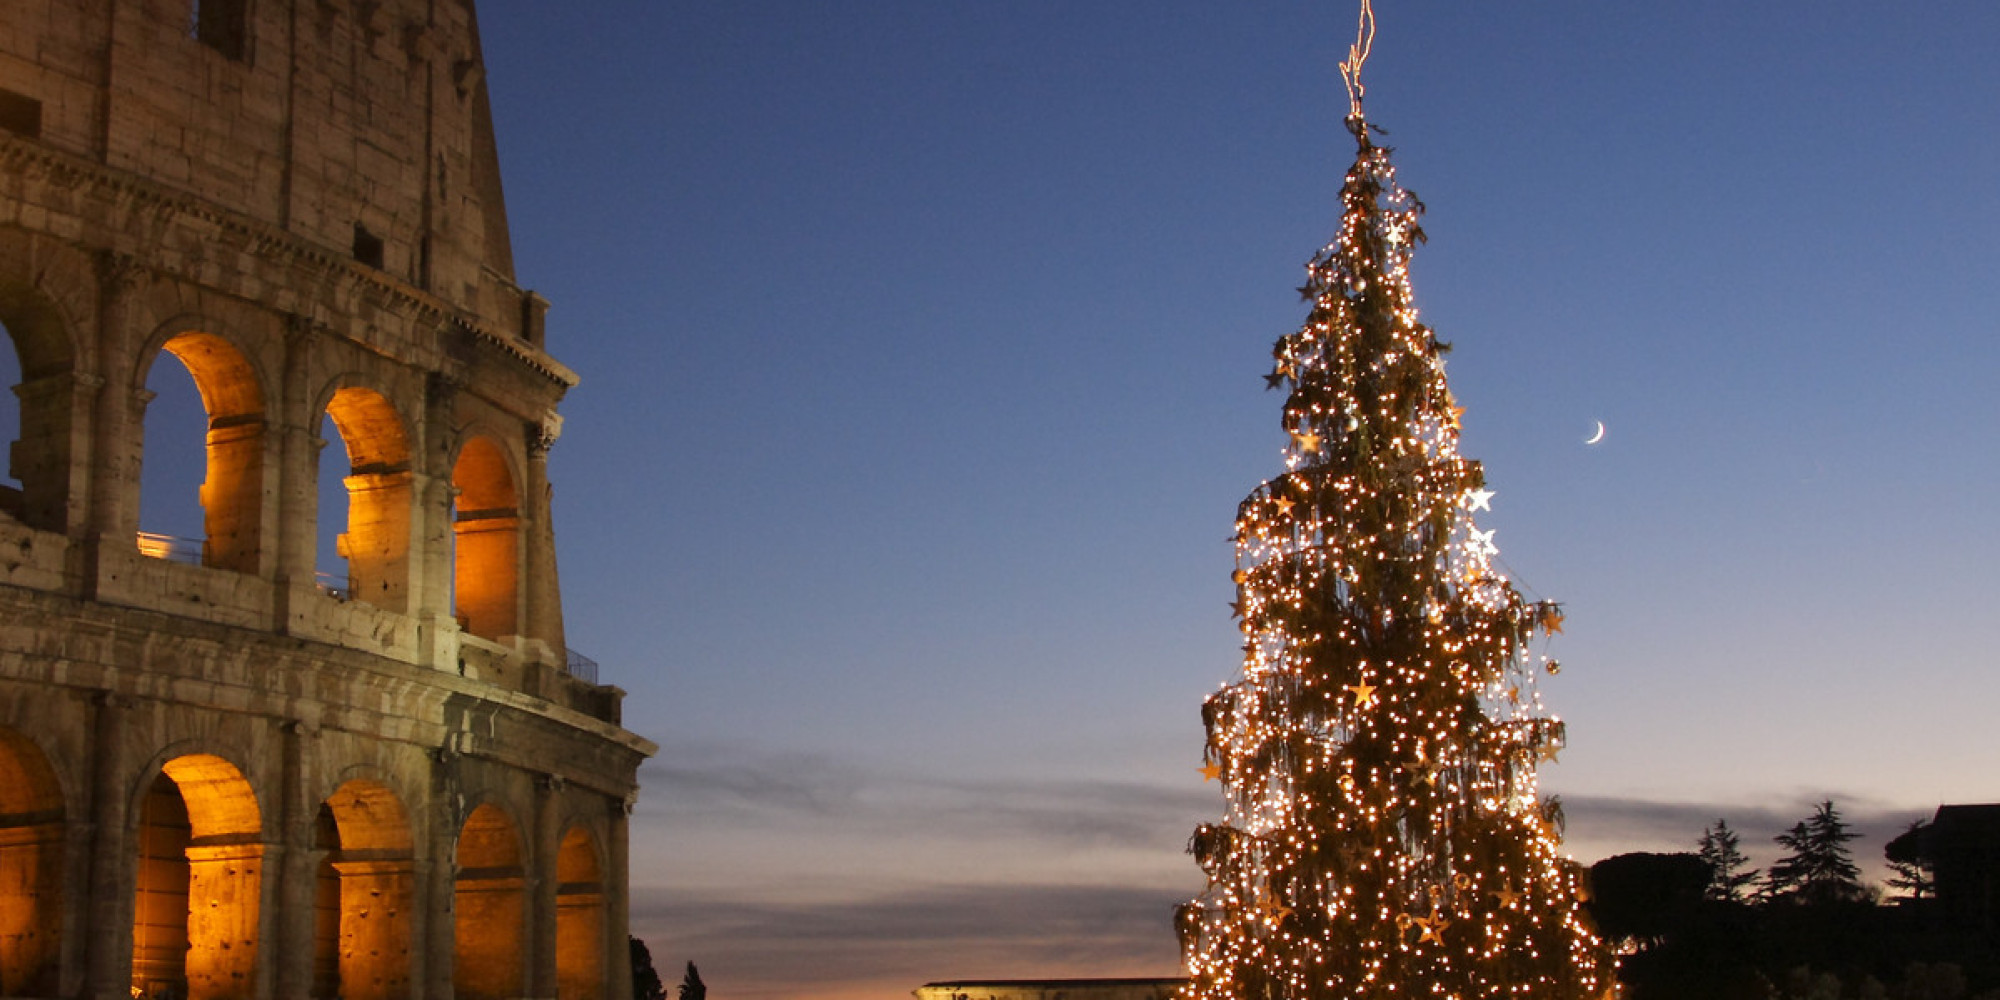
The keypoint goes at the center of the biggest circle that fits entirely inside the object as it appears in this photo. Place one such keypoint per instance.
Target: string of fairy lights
(1384, 833)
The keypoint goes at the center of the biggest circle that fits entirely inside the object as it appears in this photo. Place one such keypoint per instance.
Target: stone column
(542, 596)
(424, 913)
(376, 902)
(298, 477)
(441, 891)
(618, 896)
(224, 889)
(377, 540)
(542, 884)
(114, 453)
(431, 604)
(50, 457)
(108, 950)
(291, 922)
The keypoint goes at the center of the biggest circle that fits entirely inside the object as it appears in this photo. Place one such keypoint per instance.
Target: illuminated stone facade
(219, 777)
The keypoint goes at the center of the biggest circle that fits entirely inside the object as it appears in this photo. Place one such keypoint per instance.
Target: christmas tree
(1384, 834)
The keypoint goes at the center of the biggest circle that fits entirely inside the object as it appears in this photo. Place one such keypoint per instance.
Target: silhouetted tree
(1643, 898)
(1787, 874)
(1818, 867)
(646, 983)
(1729, 878)
(691, 985)
(1909, 857)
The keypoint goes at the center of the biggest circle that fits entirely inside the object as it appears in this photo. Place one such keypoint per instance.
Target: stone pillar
(618, 896)
(377, 540)
(31, 924)
(542, 596)
(543, 884)
(49, 459)
(225, 885)
(377, 898)
(431, 604)
(291, 923)
(108, 950)
(440, 903)
(232, 494)
(114, 449)
(424, 912)
(80, 838)
(298, 476)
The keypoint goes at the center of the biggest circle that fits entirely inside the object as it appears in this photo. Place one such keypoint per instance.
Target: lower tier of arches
(228, 846)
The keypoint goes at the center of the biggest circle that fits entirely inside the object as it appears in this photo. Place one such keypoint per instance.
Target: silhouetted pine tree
(691, 985)
(646, 983)
(1911, 862)
(1729, 877)
(1818, 867)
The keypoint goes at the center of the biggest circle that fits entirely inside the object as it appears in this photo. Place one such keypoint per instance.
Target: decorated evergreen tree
(1384, 834)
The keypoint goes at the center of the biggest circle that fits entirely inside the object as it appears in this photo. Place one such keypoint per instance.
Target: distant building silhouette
(1962, 844)
(1051, 989)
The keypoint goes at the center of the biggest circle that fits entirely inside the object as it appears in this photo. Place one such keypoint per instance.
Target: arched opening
(195, 911)
(486, 526)
(367, 894)
(579, 919)
(31, 849)
(330, 531)
(230, 462)
(489, 903)
(171, 524)
(37, 460)
(376, 541)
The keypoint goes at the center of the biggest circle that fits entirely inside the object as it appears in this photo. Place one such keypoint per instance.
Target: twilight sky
(921, 347)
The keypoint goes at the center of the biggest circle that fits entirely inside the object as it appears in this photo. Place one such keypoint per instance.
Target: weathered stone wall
(297, 200)
(327, 116)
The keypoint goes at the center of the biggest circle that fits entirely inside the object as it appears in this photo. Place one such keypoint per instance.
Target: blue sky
(922, 346)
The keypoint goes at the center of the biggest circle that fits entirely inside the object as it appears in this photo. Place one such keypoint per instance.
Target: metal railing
(188, 551)
(582, 667)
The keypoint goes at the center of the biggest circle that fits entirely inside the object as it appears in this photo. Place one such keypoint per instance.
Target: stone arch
(490, 905)
(376, 542)
(39, 459)
(486, 546)
(580, 946)
(31, 860)
(234, 443)
(366, 894)
(200, 875)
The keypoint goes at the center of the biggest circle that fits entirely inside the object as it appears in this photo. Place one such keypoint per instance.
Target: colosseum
(229, 769)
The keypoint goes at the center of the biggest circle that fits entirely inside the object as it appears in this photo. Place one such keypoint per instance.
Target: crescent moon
(1599, 436)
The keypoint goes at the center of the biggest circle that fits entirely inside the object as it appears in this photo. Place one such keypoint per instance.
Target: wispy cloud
(886, 945)
(744, 778)
(911, 877)
(726, 785)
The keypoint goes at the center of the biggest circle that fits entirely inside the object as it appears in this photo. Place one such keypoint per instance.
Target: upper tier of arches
(435, 522)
